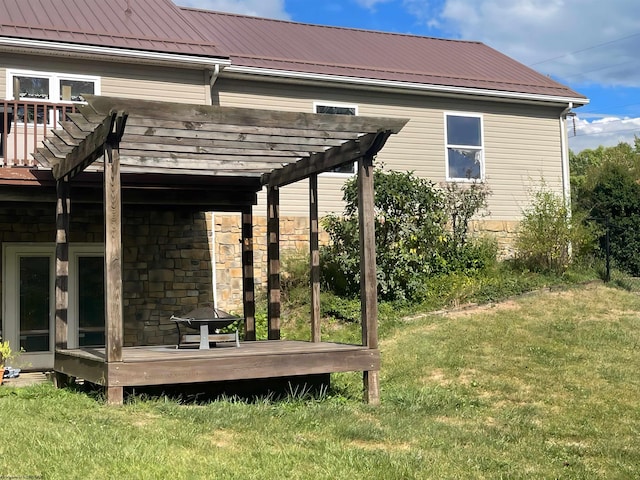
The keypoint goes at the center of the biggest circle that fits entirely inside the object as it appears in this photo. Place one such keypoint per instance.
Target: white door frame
(11, 252)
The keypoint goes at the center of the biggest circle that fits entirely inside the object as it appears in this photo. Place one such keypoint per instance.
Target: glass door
(29, 305)
(90, 300)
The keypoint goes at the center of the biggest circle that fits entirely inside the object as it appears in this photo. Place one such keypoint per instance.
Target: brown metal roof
(161, 26)
(281, 45)
(155, 25)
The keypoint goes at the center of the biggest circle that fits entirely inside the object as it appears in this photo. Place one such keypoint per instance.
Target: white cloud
(604, 36)
(608, 131)
(258, 8)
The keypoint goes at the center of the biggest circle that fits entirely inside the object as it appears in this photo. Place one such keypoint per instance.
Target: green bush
(548, 233)
(410, 226)
(422, 231)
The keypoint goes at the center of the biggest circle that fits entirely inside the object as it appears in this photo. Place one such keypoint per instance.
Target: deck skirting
(144, 366)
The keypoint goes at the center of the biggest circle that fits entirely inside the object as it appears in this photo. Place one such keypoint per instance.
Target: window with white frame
(47, 87)
(338, 109)
(464, 146)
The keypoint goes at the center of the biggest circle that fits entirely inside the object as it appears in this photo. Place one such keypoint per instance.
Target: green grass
(545, 386)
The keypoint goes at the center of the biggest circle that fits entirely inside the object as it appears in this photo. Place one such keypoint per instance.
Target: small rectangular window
(334, 109)
(38, 89)
(465, 152)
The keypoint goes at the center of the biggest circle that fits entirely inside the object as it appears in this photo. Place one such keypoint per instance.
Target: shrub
(421, 232)
(548, 233)
(410, 226)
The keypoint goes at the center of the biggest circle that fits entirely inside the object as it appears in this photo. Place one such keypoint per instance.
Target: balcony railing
(24, 124)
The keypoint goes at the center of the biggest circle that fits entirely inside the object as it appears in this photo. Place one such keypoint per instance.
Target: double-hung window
(338, 109)
(464, 146)
(35, 88)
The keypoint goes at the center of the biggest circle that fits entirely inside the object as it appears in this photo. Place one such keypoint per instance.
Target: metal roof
(155, 25)
(275, 44)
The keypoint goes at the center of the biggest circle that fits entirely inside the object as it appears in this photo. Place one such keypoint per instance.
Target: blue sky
(590, 45)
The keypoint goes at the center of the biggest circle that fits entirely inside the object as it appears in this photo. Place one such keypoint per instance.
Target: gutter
(239, 71)
(114, 53)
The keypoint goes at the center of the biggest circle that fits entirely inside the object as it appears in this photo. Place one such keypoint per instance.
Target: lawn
(545, 386)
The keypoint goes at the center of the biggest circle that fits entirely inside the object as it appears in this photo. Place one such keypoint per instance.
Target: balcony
(24, 124)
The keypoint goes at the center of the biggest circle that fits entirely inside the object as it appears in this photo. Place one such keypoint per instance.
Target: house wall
(522, 142)
(119, 79)
(522, 149)
(166, 260)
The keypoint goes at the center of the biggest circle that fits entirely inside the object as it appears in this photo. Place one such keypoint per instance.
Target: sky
(589, 45)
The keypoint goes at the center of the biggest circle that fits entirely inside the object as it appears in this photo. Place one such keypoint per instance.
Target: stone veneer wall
(166, 260)
(166, 269)
(294, 235)
(167, 257)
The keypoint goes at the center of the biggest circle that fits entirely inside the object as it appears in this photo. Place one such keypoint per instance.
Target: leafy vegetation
(422, 231)
(550, 238)
(606, 190)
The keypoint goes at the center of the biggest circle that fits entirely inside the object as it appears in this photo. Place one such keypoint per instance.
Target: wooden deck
(163, 365)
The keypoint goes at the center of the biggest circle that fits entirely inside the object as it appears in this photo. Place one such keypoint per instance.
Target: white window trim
(319, 103)
(447, 146)
(10, 254)
(54, 82)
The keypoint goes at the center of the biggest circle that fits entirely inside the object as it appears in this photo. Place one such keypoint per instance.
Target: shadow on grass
(308, 387)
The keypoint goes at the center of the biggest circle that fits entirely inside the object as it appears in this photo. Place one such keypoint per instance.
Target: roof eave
(266, 73)
(110, 53)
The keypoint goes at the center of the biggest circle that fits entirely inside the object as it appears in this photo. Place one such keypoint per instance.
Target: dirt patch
(470, 310)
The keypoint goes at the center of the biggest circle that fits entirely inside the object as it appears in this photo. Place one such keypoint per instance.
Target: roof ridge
(408, 72)
(329, 27)
(95, 33)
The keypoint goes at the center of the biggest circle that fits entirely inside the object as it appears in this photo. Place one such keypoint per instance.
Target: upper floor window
(47, 87)
(464, 146)
(338, 109)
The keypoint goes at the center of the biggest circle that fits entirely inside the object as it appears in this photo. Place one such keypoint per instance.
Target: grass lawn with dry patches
(545, 386)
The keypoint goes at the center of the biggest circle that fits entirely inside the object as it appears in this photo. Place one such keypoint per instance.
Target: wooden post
(368, 280)
(273, 261)
(314, 248)
(248, 283)
(63, 207)
(113, 264)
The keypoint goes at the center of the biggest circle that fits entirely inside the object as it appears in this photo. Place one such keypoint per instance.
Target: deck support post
(368, 279)
(248, 283)
(63, 207)
(113, 258)
(273, 261)
(314, 248)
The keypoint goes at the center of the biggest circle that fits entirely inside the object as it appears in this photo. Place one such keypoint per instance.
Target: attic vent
(128, 11)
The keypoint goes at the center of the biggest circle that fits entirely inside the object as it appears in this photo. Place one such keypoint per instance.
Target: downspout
(566, 181)
(564, 147)
(214, 261)
(213, 76)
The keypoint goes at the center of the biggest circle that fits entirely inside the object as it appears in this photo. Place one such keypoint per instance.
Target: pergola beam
(368, 144)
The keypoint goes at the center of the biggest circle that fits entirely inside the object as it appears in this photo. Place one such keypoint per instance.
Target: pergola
(213, 151)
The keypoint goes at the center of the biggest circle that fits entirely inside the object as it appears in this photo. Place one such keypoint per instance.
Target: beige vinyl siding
(522, 142)
(123, 80)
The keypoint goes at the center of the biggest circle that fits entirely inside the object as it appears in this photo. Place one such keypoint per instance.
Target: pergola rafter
(242, 148)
